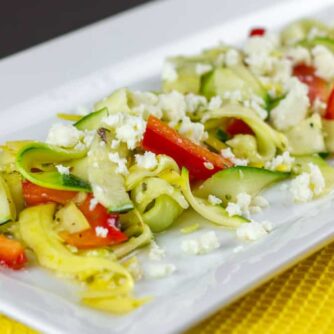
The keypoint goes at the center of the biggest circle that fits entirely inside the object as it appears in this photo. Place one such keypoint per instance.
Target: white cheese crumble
(256, 103)
(173, 106)
(319, 106)
(258, 51)
(205, 244)
(101, 232)
(298, 55)
(66, 136)
(169, 72)
(215, 103)
(195, 131)
(214, 200)
(232, 57)
(281, 162)
(315, 32)
(293, 108)
(241, 207)
(194, 102)
(156, 253)
(228, 154)
(93, 203)
(148, 160)
(323, 60)
(307, 185)
(203, 68)
(208, 165)
(160, 270)
(63, 170)
(254, 230)
(128, 129)
(245, 205)
(120, 162)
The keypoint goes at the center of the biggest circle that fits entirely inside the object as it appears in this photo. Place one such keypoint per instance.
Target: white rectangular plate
(57, 77)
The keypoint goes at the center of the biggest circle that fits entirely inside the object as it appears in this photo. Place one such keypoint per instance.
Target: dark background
(24, 23)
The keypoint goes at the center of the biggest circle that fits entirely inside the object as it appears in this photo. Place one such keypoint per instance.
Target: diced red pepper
(97, 217)
(257, 32)
(317, 87)
(237, 126)
(12, 253)
(162, 139)
(329, 114)
(34, 194)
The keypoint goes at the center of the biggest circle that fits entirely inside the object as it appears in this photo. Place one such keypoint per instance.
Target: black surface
(24, 23)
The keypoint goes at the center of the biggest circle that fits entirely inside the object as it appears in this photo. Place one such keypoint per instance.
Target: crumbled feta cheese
(233, 96)
(120, 162)
(293, 108)
(156, 253)
(233, 209)
(194, 102)
(208, 165)
(205, 244)
(316, 179)
(298, 55)
(232, 57)
(203, 68)
(195, 131)
(254, 230)
(129, 129)
(245, 205)
(319, 106)
(93, 203)
(132, 131)
(114, 143)
(215, 103)
(256, 103)
(258, 51)
(307, 185)
(148, 160)
(257, 204)
(144, 98)
(88, 137)
(101, 232)
(63, 170)
(228, 154)
(314, 33)
(64, 135)
(260, 201)
(173, 106)
(323, 60)
(169, 72)
(214, 200)
(281, 162)
(160, 270)
(300, 188)
(282, 70)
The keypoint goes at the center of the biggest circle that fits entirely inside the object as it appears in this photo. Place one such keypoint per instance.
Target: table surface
(27, 23)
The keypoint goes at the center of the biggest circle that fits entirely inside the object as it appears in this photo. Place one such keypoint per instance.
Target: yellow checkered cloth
(301, 300)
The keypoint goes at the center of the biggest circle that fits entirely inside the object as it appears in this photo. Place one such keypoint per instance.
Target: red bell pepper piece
(329, 114)
(162, 139)
(97, 217)
(12, 253)
(317, 87)
(34, 194)
(237, 126)
(257, 32)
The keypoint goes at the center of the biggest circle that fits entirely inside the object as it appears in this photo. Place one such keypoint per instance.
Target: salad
(226, 124)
